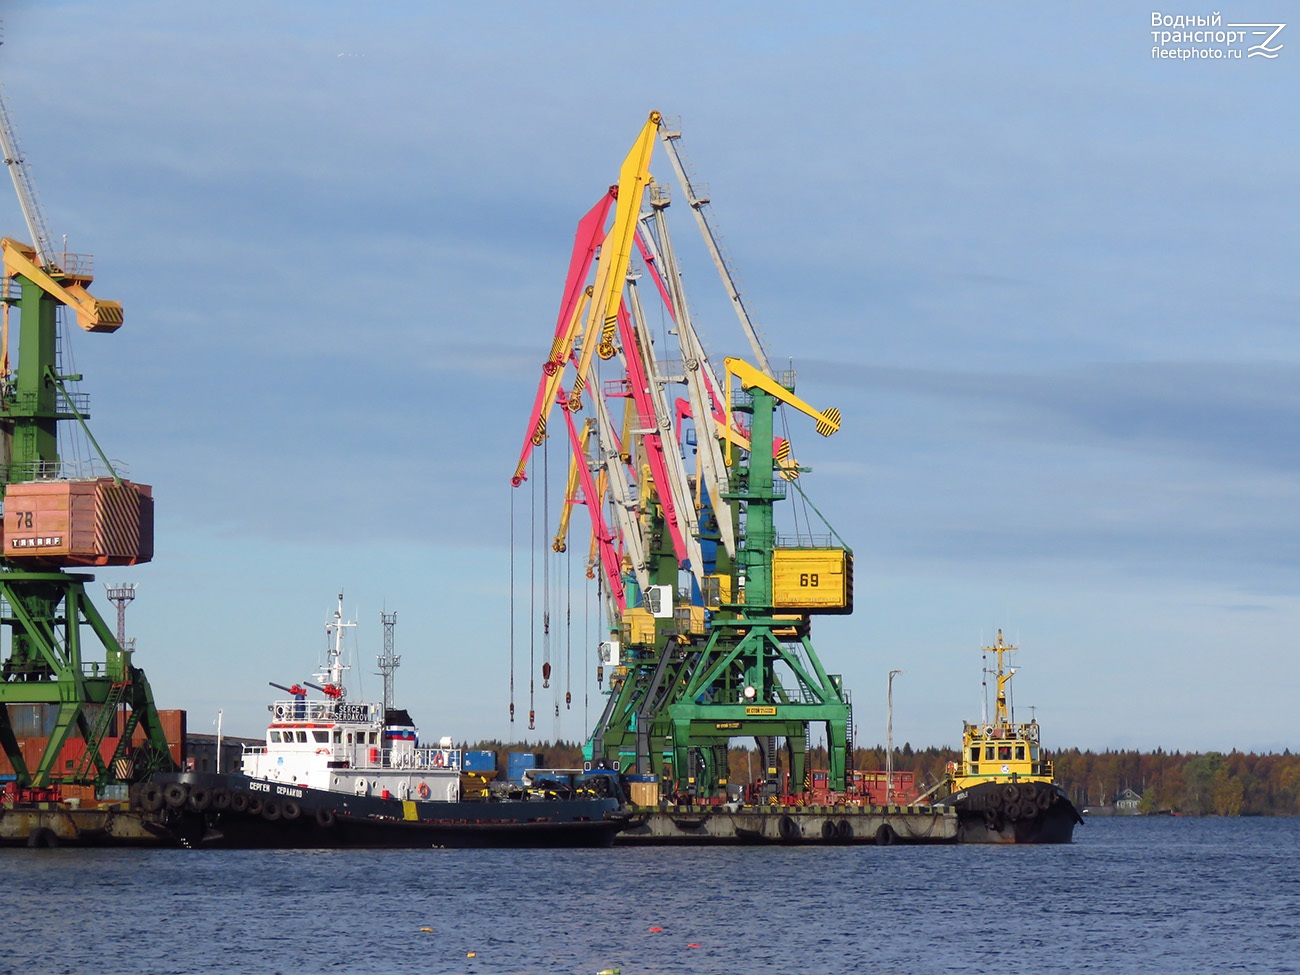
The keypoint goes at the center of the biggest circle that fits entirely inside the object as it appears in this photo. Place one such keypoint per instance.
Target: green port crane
(95, 710)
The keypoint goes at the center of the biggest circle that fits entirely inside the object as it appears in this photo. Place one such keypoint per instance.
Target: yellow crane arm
(827, 421)
(93, 314)
(615, 252)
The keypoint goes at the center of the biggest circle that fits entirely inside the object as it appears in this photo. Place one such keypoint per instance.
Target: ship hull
(237, 812)
(1006, 812)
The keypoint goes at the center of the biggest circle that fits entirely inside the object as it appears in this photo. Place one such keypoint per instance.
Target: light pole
(889, 738)
(218, 739)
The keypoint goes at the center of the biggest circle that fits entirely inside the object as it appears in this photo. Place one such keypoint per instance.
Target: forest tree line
(1185, 783)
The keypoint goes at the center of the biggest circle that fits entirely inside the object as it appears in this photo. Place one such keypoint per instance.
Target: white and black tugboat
(338, 773)
(1002, 786)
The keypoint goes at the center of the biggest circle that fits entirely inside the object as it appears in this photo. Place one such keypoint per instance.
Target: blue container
(479, 761)
(520, 762)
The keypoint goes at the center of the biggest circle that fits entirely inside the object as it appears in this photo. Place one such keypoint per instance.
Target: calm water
(1138, 895)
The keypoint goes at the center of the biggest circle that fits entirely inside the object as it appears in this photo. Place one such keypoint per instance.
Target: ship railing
(1005, 732)
(427, 758)
(305, 710)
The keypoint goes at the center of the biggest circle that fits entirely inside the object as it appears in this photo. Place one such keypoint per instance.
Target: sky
(1046, 274)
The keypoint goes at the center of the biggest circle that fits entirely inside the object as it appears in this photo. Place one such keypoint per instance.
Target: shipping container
(520, 762)
(479, 761)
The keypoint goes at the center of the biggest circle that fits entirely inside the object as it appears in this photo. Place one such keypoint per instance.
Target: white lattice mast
(388, 661)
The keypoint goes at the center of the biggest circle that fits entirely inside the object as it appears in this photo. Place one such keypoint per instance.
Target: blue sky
(1047, 278)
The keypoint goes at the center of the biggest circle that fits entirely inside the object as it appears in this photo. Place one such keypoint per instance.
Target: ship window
(1020, 753)
(349, 737)
(1004, 753)
(302, 736)
(275, 736)
(988, 753)
(323, 737)
(974, 770)
(975, 753)
(338, 736)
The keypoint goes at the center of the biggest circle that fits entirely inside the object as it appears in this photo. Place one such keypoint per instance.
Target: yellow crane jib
(615, 253)
(827, 421)
(93, 314)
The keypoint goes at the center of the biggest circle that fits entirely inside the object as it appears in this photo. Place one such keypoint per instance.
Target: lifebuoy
(439, 760)
(423, 790)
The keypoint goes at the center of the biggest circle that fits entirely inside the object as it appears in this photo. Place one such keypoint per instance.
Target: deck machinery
(708, 611)
(87, 700)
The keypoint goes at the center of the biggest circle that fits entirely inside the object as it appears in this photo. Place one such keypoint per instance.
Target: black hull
(235, 812)
(1025, 812)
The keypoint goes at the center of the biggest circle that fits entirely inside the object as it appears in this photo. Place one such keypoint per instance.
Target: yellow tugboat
(1002, 787)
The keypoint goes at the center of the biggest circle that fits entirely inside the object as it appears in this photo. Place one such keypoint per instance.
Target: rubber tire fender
(200, 798)
(789, 829)
(255, 804)
(151, 797)
(325, 818)
(221, 799)
(290, 810)
(271, 810)
(885, 835)
(239, 801)
(844, 830)
(175, 795)
(42, 838)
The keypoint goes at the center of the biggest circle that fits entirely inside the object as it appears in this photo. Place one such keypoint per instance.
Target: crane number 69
(807, 579)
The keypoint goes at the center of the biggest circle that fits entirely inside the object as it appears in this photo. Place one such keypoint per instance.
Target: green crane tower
(680, 695)
(79, 692)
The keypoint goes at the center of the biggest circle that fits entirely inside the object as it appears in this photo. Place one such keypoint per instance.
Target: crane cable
(532, 606)
(568, 634)
(512, 606)
(546, 563)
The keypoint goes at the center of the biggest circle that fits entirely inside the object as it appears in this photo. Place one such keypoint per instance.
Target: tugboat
(1002, 787)
(338, 773)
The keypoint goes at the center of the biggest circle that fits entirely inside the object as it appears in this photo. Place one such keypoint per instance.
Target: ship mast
(1002, 714)
(332, 674)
